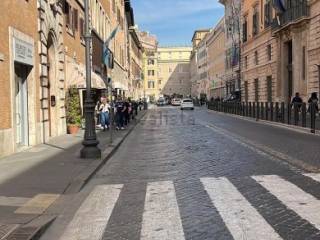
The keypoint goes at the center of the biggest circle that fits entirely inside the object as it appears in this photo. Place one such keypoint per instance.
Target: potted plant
(73, 110)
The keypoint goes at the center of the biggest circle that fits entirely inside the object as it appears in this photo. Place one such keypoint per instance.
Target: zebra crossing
(161, 218)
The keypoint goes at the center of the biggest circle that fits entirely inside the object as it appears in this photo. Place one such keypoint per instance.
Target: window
(150, 62)
(75, 19)
(159, 82)
(267, 14)
(269, 51)
(245, 30)
(246, 62)
(114, 6)
(255, 22)
(256, 90)
(150, 84)
(256, 58)
(150, 72)
(67, 12)
(170, 69)
(81, 27)
(269, 88)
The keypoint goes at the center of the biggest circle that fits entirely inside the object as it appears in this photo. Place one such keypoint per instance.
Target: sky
(174, 21)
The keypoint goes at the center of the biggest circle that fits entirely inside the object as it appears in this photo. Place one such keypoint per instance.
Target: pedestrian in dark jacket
(314, 100)
(297, 100)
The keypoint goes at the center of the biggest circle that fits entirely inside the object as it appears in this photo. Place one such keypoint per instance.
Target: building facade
(202, 60)
(42, 54)
(173, 76)
(258, 52)
(194, 67)
(216, 61)
(232, 46)
(149, 65)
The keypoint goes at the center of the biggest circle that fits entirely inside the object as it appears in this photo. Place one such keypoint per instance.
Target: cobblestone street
(200, 175)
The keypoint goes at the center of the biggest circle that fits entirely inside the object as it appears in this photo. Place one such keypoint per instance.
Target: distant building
(216, 61)
(150, 65)
(174, 71)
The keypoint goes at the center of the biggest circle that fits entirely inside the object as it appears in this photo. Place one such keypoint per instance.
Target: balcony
(293, 15)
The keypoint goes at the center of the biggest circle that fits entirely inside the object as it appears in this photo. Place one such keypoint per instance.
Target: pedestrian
(297, 101)
(313, 100)
(120, 108)
(105, 114)
(126, 112)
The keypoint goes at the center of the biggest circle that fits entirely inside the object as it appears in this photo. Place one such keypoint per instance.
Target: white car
(187, 103)
(176, 102)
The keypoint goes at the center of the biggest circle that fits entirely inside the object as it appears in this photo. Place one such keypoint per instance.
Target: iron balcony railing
(299, 11)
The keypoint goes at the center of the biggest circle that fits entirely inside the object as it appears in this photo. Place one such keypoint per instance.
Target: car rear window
(187, 101)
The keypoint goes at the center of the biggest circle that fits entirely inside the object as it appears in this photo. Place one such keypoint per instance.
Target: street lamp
(90, 143)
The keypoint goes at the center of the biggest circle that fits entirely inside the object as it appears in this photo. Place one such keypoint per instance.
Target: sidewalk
(31, 181)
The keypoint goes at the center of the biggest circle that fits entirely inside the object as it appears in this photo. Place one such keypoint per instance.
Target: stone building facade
(42, 53)
(197, 37)
(174, 71)
(232, 45)
(216, 60)
(258, 52)
(149, 65)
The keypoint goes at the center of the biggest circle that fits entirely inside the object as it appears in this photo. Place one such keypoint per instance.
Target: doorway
(21, 104)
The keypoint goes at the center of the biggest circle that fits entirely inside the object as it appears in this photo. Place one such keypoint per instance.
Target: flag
(106, 51)
(279, 6)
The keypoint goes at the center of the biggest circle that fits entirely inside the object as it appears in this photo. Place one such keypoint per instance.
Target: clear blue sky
(174, 21)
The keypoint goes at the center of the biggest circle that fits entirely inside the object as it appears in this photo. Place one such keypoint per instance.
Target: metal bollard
(250, 109)
(296, 113)
(277, 112)
(304, 115)
(282, 112)
(313, 117)
(258, 110)
(267, 111)
(254, 110)
(262, 110)
(271, 112)
(289, 113)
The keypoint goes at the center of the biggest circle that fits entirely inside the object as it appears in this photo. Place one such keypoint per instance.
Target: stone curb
(273, 124)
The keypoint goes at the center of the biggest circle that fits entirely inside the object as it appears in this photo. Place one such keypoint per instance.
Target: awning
(76, 76)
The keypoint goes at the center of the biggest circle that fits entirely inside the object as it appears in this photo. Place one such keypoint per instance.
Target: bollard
(254, 110)
(247, 109)
(304, 115)
(262, 110)
(289, 113)
(267, 111)
(250, 109)
(282, 112)
(296, 113)
(277, 112)
(312, 107)
(271, 112)
(258, 110)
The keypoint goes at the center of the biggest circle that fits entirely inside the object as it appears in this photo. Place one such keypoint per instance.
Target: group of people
(124, 110)
(312, 100)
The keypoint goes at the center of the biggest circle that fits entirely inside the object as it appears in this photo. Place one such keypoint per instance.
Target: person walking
(120, 108)
(98, 114)
(105, 114)
(313, 100)
(297, 101)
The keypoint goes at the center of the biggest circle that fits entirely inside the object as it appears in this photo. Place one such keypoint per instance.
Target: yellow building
(174, 71)
(150, 65)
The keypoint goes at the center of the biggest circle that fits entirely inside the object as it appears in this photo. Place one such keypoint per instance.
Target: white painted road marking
(92, 217)
(241, 218)
(314, 176)
(161, 218)
(13, 201)
(304, 204)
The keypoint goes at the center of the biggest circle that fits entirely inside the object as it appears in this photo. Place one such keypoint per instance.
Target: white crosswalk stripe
(240, 217)
(161, 218)
(314, 176)
(91, 219)
(304, 204)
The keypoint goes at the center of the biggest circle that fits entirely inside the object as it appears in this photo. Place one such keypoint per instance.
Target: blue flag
(279, 6)
(106, 51)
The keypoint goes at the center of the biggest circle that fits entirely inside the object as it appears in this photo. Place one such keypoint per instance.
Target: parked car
(176, 102)
(187, 103)
(161, 102)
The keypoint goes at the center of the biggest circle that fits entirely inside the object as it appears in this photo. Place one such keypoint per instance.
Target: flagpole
(90, 143)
